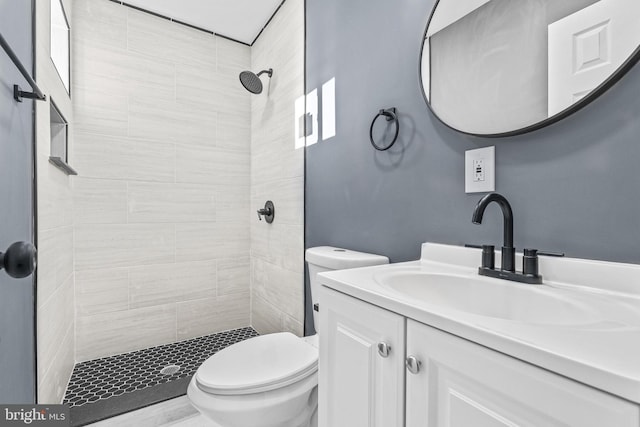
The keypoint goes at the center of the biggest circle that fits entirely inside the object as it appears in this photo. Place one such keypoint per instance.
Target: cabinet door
(462, 384)
(357, 386)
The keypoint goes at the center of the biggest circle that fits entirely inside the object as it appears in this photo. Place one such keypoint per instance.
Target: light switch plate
(480, 170)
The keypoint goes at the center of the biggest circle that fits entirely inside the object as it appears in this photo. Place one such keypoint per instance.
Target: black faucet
(508, 266)
(508, 251)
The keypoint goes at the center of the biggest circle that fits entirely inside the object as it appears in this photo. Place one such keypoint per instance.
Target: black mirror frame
(602, 88)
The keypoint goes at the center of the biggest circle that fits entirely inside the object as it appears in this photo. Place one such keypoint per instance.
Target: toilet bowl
(270, 380)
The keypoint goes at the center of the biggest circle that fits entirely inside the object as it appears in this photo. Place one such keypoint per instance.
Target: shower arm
(269, 72)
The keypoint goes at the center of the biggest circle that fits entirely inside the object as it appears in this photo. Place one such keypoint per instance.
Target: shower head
(252, 82)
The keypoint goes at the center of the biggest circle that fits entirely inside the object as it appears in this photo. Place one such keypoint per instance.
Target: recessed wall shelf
(59, 140)
(62, 165)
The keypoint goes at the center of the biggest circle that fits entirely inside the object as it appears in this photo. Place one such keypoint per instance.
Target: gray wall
(573, 186)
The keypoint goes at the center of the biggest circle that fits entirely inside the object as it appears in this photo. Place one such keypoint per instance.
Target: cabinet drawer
(463, 384)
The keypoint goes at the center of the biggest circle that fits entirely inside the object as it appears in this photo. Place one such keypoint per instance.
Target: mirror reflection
(492, 67)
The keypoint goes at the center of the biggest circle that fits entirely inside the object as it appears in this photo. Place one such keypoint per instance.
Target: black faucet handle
(530, 262)
(551, 254)
(488, 256)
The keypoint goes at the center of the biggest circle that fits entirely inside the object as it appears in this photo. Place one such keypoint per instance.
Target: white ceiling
(239, 19)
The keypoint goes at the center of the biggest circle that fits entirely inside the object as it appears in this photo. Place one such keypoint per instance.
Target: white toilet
(270, 380)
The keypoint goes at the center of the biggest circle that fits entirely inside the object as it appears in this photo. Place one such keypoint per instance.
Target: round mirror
(506, 67)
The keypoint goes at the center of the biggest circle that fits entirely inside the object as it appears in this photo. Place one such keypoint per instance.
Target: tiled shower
(157, 240)
(161, 203)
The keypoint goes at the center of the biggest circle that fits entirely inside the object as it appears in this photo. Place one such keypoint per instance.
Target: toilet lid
(258, 364)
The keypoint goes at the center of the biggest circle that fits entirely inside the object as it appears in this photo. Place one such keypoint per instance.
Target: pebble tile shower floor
(102, 379)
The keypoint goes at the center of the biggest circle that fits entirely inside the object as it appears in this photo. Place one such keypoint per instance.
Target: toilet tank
(328, 258)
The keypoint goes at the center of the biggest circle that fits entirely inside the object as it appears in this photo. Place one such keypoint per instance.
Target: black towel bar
(18, 94)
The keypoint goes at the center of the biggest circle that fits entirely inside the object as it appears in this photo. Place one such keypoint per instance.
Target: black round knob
(19, 260)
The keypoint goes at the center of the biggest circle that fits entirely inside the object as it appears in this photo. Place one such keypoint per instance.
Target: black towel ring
(391, 115)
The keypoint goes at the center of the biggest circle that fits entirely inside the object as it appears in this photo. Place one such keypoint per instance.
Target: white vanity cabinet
(458, 383)
(361, 366)
(463, 384)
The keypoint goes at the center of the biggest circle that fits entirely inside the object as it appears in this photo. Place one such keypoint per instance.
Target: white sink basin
(537, 304)
(583, 322)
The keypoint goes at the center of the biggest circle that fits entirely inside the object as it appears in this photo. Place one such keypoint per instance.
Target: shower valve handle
(269, 212)
(265, 212)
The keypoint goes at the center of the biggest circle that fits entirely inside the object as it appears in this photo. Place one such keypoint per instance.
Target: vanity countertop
(602, 351)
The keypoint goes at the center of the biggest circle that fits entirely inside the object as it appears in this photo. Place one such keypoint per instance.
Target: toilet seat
(257, 365)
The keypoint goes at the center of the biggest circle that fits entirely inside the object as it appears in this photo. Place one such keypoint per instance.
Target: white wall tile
(282, 288)
(100, 22)
(287, 247)
(233, 56)
(210, 165)
(55, 262)
(269, 152)
(279, 244)
(54, 292)
(52, 384)
(55, 318)
(204, 316)
(194, 47)
(101, 291)
(145, 38)
(204, 241)
(123, 245)
(55, 202)
(113, 70)
(233, 275)
(99, 67)
(234, 132)
(114, 157)
(289, 324)
(153, 285)
(178, 43)
(233, 205)
(286, 194)
(265, 318)
(107, 334)
(150, 78)
(277, 170)
(184, 203)
(99, 112)
(219, 90)
(199, 85)
(99, 201)
(171, 121)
